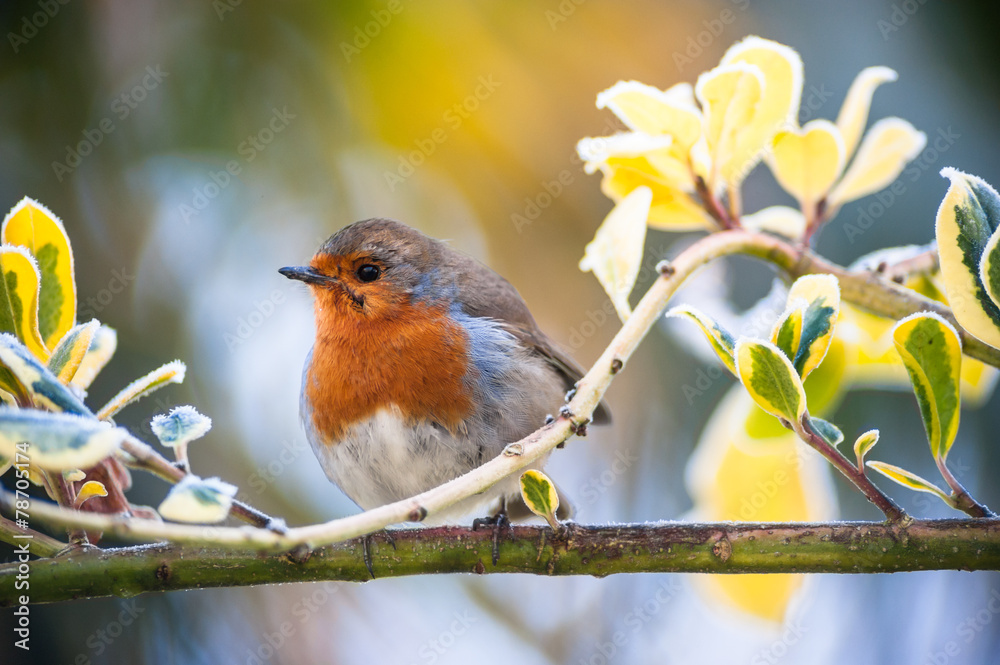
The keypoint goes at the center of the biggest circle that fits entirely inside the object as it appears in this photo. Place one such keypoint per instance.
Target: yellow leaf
(172, 372)
(90, 489)
(646, 109)
(102, 347)
(733, 477)
(670, 210)
(808, 160)
(864, 443)
(853, 114)
(780, 68)
(729, 95)
(782, 220)
(32, 226)
(19, 298)
(615, 253)
(909, 479)
(884, 151)
(720, 339)
(69, 353)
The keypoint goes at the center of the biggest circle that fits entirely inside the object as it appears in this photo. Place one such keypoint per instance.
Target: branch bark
(839, 547)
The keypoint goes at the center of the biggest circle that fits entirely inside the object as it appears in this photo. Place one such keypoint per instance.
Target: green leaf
(615, 253)
(181, 426)
(864, 443)
(19, 298)
(720, 339)
(830, 432)
(172, 372)
(769, 377)
(967, 220)
(69, 353)
(539, 494)
(101, 349)
(822, 293)
(932, 353)
(57, 441)
(42, 385)
(198, 500)
(787, 331)
(911, 480)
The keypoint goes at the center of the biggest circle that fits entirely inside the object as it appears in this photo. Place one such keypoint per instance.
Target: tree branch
(839, 547)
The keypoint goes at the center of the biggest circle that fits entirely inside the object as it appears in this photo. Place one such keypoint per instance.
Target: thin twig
(960, 496)
(39, 544)
(851, 471)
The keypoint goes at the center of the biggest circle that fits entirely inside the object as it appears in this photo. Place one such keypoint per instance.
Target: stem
(864, 289)
(959, 495)
(837, 547)
(144, 457)
(712, 204)
(926, 262)
(39, 543)
(850, 469)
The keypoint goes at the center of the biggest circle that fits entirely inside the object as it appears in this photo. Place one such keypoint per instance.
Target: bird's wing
(490, 295)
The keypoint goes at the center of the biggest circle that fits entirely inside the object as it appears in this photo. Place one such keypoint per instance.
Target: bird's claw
(366, 549)
(499, 522)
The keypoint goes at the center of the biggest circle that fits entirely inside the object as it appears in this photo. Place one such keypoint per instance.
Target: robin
(426, 364)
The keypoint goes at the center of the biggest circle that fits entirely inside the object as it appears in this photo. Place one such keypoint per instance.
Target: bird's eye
(369, 273)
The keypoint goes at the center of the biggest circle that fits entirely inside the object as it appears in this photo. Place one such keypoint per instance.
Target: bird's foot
(366, 547)
(500, 523)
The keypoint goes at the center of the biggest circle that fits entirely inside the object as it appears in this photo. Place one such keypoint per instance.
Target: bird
(426, 364)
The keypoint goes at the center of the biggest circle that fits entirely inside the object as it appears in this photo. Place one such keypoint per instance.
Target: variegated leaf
(57, 441)
(33, 226)
(932, 353)
(172, 372)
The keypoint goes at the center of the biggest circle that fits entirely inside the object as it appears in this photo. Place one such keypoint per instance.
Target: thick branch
(839, 547)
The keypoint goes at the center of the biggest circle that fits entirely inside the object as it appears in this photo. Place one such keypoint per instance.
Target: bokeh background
(460, 119)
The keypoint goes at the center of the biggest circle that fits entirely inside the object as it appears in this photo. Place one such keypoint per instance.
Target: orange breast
(415, 360)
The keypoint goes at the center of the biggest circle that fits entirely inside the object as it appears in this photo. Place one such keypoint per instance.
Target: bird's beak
(307, 275)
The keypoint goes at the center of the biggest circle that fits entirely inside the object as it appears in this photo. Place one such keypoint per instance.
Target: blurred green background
(192, 148)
